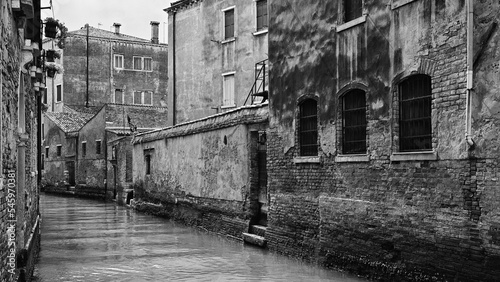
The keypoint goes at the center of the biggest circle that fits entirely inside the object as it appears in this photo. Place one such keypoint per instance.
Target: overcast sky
(133, 15)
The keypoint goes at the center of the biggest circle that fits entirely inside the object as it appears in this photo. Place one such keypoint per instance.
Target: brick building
(217, 56)
(19, 142)
(115, 68)
(382, 147)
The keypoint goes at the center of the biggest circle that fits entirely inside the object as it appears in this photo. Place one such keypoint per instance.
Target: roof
(70, 120)
(102, 33)
(179, 5)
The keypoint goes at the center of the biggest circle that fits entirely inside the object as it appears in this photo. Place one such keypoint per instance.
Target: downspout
(470, 74)
(87, 82)
(173, 72)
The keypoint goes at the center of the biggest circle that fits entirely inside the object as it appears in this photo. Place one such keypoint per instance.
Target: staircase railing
(259, 84)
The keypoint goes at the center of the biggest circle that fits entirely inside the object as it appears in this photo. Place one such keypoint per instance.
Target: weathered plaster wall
(91, 168)
(201, 58)
(140, 116)
(119, 187)
(200, 171)
(104, 78)
(378, 217)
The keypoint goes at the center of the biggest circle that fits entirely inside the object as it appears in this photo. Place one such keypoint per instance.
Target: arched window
(415, 129)
(308, 128)
(354, 122)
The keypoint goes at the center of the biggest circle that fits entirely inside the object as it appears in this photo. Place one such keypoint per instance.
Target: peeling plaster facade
(199, 56)
(385, 213)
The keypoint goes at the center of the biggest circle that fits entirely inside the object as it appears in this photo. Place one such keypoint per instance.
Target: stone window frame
(225, 105)
(341, 157)
(141, 66)
(235, 25)
(121, 57)
(84, 149)
(263, 29)
(397, 155)
(298, 158)
(342, 24)
(59, 150)
(142, 97)
(98, 146)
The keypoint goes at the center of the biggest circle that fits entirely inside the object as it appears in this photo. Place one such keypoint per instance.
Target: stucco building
(383, 152)
(20, 117)
(217, 53)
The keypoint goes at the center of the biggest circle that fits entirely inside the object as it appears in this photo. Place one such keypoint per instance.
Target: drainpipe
(87, 77)
(173, 72)
(470, 73)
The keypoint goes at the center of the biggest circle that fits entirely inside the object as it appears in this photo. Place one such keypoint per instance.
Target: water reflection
(85, 240)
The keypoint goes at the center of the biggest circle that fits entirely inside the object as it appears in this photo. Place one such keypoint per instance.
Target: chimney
(117, 27)
(154, 32)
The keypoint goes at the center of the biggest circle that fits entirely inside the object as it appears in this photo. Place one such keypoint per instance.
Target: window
(137, 63)
(43, 161)
(43, 131)
(262, 20)
(353, 9)
(47, 151)
(354, 122)
(143, 97)
(113, 152)
(59, 93)
(118, 97)
(45, 96)
(84, 148)
(228, 90)
(147, 160)
(118, 61)
(229, 23)
(59, 150)
(98, 147)
(308, 128)
(415, 132)
(148, 64)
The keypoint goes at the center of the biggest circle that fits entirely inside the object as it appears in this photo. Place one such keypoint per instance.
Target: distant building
(217, 51)
(121, 69)
(20, 116)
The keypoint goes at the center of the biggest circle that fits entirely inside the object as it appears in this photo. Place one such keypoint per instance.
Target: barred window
(137, 63)
(148, 64)
(354, 122)
(353, 9)
(262, 21)
(415, 131)
(308, 128)
(229, 24)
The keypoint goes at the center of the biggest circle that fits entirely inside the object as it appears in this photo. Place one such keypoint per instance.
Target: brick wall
(378, 214)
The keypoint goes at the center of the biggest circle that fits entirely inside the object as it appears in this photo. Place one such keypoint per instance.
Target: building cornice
(107, 39)
(180, 5)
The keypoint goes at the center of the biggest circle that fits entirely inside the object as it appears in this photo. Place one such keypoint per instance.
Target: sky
(133, 15)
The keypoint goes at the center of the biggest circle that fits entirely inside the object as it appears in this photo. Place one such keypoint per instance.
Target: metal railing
(259, 84)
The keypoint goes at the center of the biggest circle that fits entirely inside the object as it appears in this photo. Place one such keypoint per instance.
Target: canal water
(87, 240)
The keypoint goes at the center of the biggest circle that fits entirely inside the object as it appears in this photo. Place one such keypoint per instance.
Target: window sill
(414, 156)
(352, 23)
(259, 32)
(399, 3)
(358, 158)
(307, 160)
(229, 40)
(228, 106)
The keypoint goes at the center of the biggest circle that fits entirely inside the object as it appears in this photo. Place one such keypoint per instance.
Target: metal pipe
(470, 72)
(87, 82)
(174, 98)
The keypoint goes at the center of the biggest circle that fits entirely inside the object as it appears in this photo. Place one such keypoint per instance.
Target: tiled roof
(70, 121)
(97, 32)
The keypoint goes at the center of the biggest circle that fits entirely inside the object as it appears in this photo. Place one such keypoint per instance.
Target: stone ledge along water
(89, 240)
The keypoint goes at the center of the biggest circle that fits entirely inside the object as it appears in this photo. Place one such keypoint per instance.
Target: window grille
(415, 132)
(354, 122)
(229, 24)
(308, 128)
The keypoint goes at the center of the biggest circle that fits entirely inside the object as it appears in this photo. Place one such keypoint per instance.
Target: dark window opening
(84, 149)
(415, 132)
(47, 151)
(148, 164)
(229, 24)
(262, 20)
(308, 128)
(353, 9)
(98, 147)
(354, 122)
(59, 93)
(119, 96)
(59, 150)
